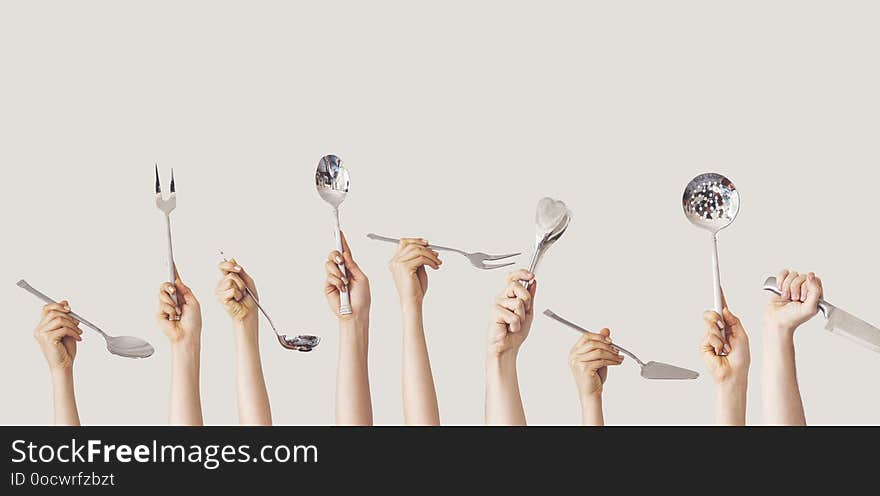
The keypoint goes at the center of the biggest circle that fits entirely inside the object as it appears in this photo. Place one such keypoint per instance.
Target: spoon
(650, 370)
(300, 342)
(332, 183)
(551, 220)
(711, 202)
(124, 346)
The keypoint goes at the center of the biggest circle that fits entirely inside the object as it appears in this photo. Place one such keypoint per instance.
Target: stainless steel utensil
(332, 183)
(711, 202)
(300, 342)
(840, 322)
(551, 220)
(477, 259)
(166, 206)
(124, 346)
(650, 370)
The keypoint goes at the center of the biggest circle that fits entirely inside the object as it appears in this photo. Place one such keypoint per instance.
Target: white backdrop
(454, 119)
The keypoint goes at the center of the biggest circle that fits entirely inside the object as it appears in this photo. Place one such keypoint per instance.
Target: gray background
(454, 119)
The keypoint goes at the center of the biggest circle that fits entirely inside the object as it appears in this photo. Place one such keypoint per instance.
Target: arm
(353, 403)
(511, 320)
(589, 361)
(798, 303)
(728, 362)
(253, 398)
(57, 334)
(182, 324)
(411, 280)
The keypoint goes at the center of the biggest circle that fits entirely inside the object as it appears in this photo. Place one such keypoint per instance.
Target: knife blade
(841, 322)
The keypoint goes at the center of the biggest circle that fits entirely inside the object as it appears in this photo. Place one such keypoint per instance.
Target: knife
(841, 322)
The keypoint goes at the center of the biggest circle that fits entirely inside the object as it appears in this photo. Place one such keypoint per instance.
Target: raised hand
(512, 314)
(357, 283)
(57, 334)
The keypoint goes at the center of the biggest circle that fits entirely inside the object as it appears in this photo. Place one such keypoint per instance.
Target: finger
(505, 316)
(514, 305)
(715, 342)
(598, 364)
(348, 258)
(336, 282)
(412, 241)
(598, 355)
(596, 345)
(713, 320)
(229, 266)
(421, 261)
(61, 306)
(780, 278)
(520, 275)
(57, 335)
(786, 284)
(237, 281)
(168, 311)
(730, 318)
(167, 288)
(165, 299)
(795, 289)
(813, 290)
(231, 294)
(54, 314)
(421, 251)
(516, 290)
(333, 270)
(176, 273)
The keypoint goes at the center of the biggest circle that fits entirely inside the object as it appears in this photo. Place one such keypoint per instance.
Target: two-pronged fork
(477, 259)
(166, 206)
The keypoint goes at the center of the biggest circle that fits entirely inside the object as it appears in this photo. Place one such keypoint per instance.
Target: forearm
(730, 403)
(419, 395)
(503, 401)
(781, 396)
(591, 410)
(63, 398)
(353, 403)
(253, 399)
(186, 404)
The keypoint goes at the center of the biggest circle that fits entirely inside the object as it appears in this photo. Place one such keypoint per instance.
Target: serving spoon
(551, 220)
(711, 202)
(299, 342)
(124, 346)
(650, 370)
(332, 183)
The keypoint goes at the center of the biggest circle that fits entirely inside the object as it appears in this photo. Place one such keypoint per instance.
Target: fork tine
(158, 187)
(495, 266)
(500, 257)
(172, 179)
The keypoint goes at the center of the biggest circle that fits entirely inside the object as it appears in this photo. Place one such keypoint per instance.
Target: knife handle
(770, 284)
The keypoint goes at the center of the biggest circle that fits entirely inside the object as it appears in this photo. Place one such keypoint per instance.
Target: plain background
(454, 118)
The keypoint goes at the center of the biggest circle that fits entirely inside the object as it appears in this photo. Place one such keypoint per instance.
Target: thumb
(730, 319)
(814, 292)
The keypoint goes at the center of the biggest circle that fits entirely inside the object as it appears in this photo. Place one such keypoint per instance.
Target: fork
(166, 206)
(477, 259)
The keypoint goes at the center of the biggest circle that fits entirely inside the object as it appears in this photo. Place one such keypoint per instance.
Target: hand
(589, 360)
(183, 322)
(232, 294)
(734, 366)
(797, 304)
(512, 314)
(408, 268)
(57, 334)
(356, 282)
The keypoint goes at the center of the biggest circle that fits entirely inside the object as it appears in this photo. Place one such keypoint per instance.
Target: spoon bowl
(551, 221)
(300, 342)
(129, 347)
(332, 180)
(710, 201)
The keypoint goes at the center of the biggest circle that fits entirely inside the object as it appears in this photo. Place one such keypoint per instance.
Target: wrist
(778, 335)
(245, 330)
(590, 398)
(501, 362)
(733, 385)
(61, 373)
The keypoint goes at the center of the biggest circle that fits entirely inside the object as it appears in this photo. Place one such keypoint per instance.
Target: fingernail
(237, 267)
(608, 340)
(719, 324)
(338, 259)
(727, 348)
(171, 289)
(66, 308)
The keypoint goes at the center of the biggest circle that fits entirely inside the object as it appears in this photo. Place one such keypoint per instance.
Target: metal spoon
(551, 220)
(300, 342)
(124, 346)
(332, 183)
(711, 202)
(650, 370)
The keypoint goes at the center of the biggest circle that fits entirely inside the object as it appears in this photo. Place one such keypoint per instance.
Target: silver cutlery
(840, 322)
(166, 206)
(477, 259)
(300, 342)
(551, 220)
(124, 346)
(332, 183)
(711, 202)
(650, 370)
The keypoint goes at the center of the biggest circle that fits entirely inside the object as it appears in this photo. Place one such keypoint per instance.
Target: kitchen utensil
(711, 202)
(650, 370)
(300, 342)
(124, 346)
(477, 259)
(841, 322)
(166, 206)
(551, 220)
(332, 183)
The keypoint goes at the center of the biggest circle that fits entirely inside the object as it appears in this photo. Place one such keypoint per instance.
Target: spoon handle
(344, 299)
(30, 289)
(716, 282)
(552, 315)
(251, 294)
